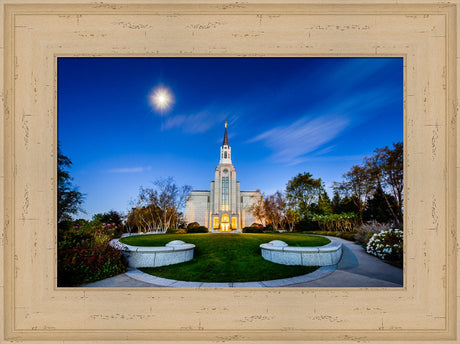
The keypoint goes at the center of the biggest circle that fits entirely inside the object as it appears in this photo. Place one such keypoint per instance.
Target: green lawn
(227, 257)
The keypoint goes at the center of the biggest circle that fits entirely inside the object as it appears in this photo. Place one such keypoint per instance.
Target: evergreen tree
(378, 208)
(68, 197)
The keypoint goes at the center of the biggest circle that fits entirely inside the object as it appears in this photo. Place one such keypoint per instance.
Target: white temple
(224, 208)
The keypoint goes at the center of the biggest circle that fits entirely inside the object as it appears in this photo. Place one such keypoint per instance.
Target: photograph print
(230, 172)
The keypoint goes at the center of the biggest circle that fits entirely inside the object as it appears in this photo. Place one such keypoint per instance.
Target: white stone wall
(279, 252)
(196, 207)
(249, 198)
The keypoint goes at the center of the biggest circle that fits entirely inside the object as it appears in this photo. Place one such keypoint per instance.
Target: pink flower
(113, 223)
(103, 223)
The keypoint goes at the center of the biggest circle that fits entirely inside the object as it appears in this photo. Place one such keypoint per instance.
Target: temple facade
(225, 207)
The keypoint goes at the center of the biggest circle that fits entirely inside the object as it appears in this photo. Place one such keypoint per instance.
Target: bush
(176, 231)
(84, 254)
(253, 230)
(75, 237)
(367, 230)
(197, 229)
(193, 224)
(388, 245)
(307, 224)
(344, 222)
(83, 265)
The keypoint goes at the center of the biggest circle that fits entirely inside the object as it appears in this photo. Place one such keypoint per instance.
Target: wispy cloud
(199, 122)
(129, 170)
(291, 143)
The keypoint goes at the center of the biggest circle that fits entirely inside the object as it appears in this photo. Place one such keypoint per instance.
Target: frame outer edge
(7, 169)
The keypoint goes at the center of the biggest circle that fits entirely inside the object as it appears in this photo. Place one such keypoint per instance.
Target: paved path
(358, 269)
(355, 269)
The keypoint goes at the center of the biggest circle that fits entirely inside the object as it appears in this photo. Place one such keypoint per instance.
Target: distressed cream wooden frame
(35, 33)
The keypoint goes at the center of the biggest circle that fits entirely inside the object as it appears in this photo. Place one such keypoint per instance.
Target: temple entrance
(225, 223)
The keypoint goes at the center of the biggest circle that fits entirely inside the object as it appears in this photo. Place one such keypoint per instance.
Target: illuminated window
(233, 222)
(216, 222)
(225, 193)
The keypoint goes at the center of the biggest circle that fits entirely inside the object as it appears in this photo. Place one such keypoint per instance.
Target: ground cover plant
(228, 257)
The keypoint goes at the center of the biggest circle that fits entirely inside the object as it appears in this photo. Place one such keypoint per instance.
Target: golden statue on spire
(225, 124)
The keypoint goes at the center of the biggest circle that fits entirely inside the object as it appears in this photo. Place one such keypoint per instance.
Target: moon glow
(161, 98)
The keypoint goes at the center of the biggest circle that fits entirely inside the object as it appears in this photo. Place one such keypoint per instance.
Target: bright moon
(161, 98)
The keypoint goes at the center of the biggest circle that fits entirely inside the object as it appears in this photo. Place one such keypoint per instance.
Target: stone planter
(279, 252)
(174, 252)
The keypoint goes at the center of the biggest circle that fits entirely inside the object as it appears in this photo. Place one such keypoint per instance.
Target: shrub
(253, 230)
(344, 222)
(307, 224)
(193, 224)
(176, 231)
(75, 237)
(84, 254)
(367, 230)
(83, 265)
(197, 229)
(388, 245)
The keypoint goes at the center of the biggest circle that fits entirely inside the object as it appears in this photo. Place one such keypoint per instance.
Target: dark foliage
(307, 224)
(84, 254)
(197, 229)
(193, 224)
(68, 197)
(379, 207)
(82, 265)
(253, 229)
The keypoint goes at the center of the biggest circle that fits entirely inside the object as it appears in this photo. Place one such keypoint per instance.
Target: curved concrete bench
(279, 252)
(173, 252)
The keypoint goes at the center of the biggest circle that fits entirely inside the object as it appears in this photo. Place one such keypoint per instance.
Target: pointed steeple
(225, 150)
(225, 136)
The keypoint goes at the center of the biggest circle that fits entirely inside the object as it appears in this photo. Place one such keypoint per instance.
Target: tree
(68, 197)
(377, 208)
(110, 217)
(302, 191)
(323, 207)
(274, 208)
(257, 210)
(292, 217)
(386, 168)
(159, 208)
(358, 186)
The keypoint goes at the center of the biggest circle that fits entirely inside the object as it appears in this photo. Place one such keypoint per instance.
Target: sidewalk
(355, 269)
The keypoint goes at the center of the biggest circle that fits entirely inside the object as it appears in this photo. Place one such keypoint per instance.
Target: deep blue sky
(285, 116)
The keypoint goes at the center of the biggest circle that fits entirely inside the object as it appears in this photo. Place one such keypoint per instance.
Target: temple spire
(225, 136)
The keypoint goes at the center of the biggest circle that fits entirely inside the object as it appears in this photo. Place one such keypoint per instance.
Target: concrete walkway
(355, 269)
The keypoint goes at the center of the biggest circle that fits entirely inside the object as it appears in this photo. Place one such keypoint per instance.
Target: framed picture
(36, 35)
(156, 129)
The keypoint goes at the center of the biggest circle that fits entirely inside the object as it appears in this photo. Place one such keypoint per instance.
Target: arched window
(225, 155)
(225, 193)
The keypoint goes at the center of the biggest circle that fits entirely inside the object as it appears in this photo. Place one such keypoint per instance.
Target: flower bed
(388, 245)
